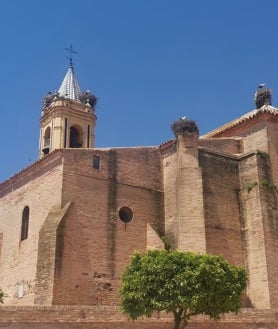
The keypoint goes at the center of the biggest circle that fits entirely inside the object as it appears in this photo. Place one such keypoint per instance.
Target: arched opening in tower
(46, 141)
(75, 137)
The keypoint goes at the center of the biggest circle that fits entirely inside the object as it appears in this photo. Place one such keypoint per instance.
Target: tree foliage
(183, 283)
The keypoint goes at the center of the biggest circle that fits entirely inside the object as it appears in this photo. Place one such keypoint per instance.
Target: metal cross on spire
(71, 52)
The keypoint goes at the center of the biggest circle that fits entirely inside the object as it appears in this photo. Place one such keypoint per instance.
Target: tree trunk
(179, 321)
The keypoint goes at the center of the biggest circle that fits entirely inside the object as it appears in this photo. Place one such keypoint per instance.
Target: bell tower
(68, 116)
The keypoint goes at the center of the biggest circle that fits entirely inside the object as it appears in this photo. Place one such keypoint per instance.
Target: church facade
(70, 221)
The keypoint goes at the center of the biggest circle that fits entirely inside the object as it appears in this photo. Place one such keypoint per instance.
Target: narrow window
(65, 134)
(25, 223)
(96, 162)
(88, 136)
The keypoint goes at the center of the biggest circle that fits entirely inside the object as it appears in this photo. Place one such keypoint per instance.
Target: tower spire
(70, 87)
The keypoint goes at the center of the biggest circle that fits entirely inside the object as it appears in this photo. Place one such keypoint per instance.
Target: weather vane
(71, 52)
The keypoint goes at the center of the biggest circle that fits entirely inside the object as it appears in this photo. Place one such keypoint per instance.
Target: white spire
(70, 87)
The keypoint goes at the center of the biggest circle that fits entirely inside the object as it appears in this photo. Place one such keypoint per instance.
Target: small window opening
(25, 223)
(96, 162)
(125, 214)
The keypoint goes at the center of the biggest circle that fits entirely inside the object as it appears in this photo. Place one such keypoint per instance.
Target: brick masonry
(40, 192)
(73, 317)
(205, 194)
(94, 244)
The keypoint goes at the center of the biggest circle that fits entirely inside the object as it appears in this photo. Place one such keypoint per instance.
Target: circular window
(125, 214)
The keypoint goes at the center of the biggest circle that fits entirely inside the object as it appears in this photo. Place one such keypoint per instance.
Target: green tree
(183, 283)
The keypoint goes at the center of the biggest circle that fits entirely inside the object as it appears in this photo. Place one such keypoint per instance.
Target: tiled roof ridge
(264, 109)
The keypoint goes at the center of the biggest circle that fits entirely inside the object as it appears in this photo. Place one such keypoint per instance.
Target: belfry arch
(46, 140)
(76, 137)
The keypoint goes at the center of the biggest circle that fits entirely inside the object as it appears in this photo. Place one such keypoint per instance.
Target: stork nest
(262, 97)
(88, 98)
(184, 125)
(85, 98)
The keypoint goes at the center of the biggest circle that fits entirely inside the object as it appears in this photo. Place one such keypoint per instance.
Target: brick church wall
(259, 210)
(170, 198)
(271, 210)
(246, 127)
(272, 140)
(221, 206)
(39, 188)
(94, 245)
(259, 206)
(231, 145)
(257, 140)
(269, 200)
(46, 259)
(77, 205)
(253, 230)
(183, 194)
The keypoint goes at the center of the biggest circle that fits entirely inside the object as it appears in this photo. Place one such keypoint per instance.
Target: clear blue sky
(148, 62)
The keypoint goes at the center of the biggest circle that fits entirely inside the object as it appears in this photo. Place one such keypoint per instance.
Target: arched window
(25, 223)
(46, 141)
(75, 137)
(47, 137)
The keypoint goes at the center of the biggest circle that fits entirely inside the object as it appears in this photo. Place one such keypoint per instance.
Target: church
(70, 221)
